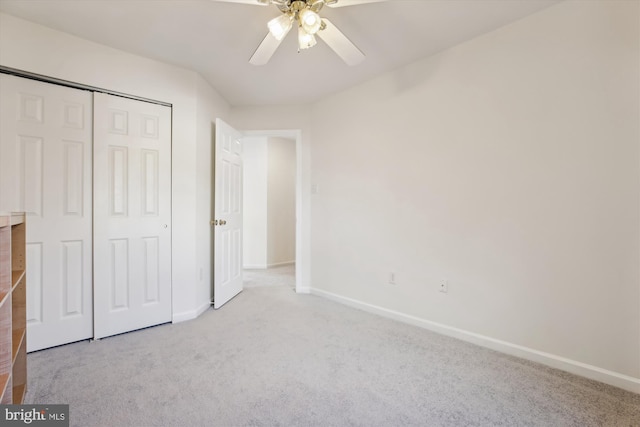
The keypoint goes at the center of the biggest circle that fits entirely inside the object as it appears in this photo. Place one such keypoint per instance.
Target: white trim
(266, 266)
(589, 371)
(281, 264)
(303, 290)
(255, 267)
(191, 314)
(75, 85)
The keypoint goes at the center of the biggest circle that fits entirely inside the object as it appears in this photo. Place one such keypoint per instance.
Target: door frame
(295, 134)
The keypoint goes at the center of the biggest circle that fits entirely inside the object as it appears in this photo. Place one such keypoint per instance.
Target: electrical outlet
(444, 286)
(392, 278)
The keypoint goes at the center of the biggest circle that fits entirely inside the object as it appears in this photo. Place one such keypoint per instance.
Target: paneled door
(45, 171)
(132, 214)
(227, 273)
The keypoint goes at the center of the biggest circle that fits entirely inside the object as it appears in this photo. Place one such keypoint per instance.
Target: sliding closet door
(132, 214)
(45, 170)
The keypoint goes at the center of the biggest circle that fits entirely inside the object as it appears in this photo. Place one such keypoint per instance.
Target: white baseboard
(280, 264)
(589, 371)
(303, 290)
(265, 266)
(255, 267)
(191, 314)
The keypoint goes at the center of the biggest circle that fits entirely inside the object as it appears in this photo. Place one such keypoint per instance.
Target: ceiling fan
(305, 15)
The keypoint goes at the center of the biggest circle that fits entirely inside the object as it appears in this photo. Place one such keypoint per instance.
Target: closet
(92, 172)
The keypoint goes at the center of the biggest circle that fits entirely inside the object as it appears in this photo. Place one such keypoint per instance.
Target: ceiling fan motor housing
(288, 6)
(305, 14)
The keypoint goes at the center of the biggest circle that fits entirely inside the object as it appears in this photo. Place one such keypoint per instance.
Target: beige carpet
(272, 357)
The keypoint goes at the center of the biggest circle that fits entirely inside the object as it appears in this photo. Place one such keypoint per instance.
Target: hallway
(276, 276)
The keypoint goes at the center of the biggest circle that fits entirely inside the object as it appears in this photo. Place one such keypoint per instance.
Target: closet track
(67, 83)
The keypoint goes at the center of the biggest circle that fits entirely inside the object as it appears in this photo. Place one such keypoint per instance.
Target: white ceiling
(216, 38)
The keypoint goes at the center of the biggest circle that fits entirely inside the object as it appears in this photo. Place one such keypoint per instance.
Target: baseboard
(255, 267)
(265, 266)
(588, 371)
(280, 264)
(303, 290)
(191, 314)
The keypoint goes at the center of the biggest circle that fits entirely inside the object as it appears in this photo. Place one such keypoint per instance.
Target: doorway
(271, 208)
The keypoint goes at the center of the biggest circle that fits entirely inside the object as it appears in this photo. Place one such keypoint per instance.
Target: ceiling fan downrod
(286, 6)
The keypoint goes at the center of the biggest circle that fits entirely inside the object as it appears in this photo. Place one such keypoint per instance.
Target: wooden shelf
(16, 276)
(7, 392)
(4, 381)
(16, 342)
(13, 331)
(18, 392)
(17, 218)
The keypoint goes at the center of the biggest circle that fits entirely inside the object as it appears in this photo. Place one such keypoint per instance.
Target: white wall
(34, 48)
(508, 165)
(281, 201)
(269, 201)
(254, 208)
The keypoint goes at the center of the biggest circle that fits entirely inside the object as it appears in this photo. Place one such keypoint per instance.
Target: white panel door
(132, 214)
(45, 170)
(227, 273)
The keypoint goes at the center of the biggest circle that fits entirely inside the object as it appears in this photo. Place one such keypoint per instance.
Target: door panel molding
(227, 228)
(45, 171)
(132, 215)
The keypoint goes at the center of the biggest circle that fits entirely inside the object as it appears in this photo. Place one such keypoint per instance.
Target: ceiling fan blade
(340, 44)
(343, 3)
(252, 2)
(265, 51)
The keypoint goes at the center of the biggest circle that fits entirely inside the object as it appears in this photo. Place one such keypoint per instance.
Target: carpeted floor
(271, 357)
(284, 275)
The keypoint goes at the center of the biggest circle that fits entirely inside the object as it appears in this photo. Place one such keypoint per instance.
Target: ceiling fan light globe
(305, 40)
(280, 26)
(310, 21)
